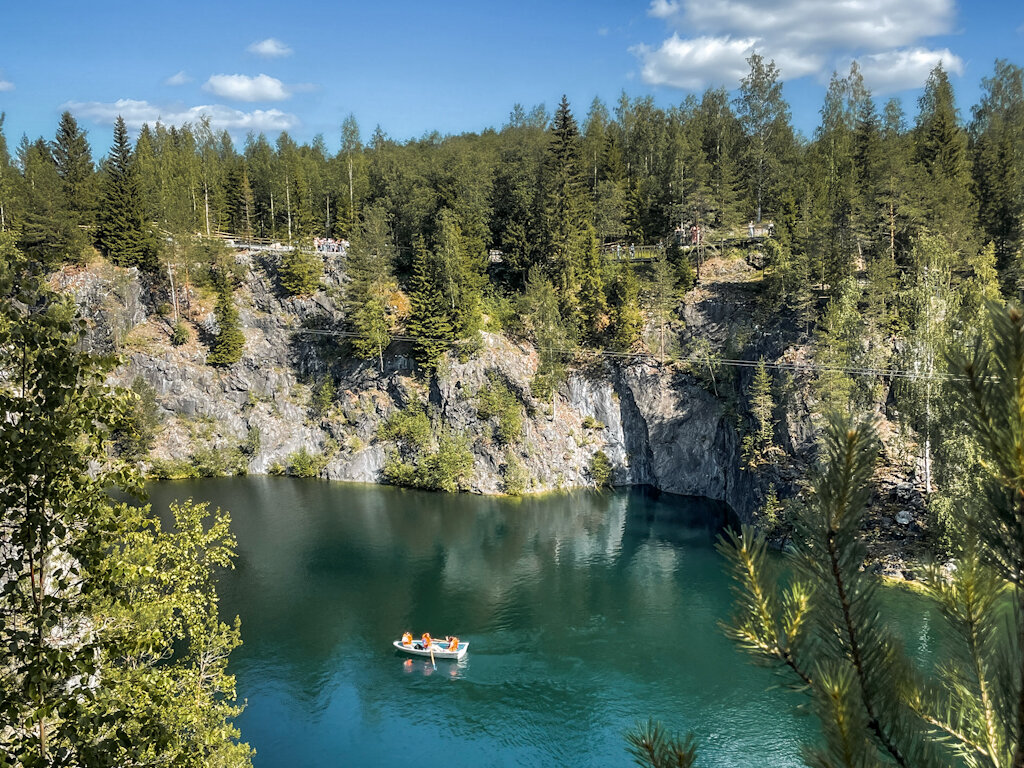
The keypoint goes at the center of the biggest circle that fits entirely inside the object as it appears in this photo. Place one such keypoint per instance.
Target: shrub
(495, 399)
(300, 271)
(410, 425)
(180, 334)
(137, 438)
(252, 442)
(449, 468)
(591, 423)
(228, 344)
(322, 397)
(302, 463)
(601, 469)
(172, 469)
(514, 476)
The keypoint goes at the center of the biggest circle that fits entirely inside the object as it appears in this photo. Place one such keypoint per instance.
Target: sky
(418, 67)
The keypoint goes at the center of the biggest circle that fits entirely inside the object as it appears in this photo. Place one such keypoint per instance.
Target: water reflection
(583, 611)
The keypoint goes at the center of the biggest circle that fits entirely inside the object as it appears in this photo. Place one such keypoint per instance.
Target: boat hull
(440, 651)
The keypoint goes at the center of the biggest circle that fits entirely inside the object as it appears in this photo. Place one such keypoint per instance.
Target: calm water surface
(584, 613)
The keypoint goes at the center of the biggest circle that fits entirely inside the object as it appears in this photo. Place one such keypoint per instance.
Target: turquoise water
(584, 612)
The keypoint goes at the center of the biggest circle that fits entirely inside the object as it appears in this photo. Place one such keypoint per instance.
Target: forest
(890, 232)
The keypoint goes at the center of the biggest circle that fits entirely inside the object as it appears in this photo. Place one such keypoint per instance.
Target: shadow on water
(693, 520)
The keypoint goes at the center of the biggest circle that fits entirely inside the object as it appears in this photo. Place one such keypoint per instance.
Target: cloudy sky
(413, 67)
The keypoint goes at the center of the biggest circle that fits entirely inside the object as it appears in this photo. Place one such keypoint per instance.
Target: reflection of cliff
(321, 564)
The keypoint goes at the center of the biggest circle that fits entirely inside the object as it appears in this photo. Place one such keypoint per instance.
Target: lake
(584, 612)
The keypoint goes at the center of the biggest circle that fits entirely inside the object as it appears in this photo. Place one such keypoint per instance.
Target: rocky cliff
(658, 424)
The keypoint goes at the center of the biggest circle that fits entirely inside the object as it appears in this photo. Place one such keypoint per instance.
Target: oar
(432, 653)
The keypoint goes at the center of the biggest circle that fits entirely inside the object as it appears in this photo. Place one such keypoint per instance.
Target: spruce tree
(300, 271)
(564, 202)
(940, 149)
(759, 443)
(229, 341)
(627, 322)
(73, 159)
(997, 138)
(49, 233)
(370, 267)
(123, 234)
(429, 322)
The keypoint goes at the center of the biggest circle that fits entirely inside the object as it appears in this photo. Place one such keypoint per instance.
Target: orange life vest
(407, 638)
(425, 640)
(454, 644)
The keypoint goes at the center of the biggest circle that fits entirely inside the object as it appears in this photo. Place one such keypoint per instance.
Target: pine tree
(429, 322)
(300, 271)
(229, 341)
(823, 629)
(759, 443)
(122, 233)
(565, 204)
(73, 159)
(49, 233)
(627, 322)
(370, 267)
(940, 145)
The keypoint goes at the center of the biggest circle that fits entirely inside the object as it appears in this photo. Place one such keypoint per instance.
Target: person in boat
(425, 641)
(407, 639)
(453, 643)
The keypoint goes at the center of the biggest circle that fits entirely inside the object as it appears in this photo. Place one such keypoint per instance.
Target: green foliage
(410, 426)
(589, 422)
(302, 463)
(449, 468)
(772, 511)
(823, 628)
(370, 266)
(300, 271)
(180, 334)
(144, 417)
(161, 637)
(601, 469)
(429, 324)
(229, 342)
(134, 607)
(496, 400)
(652, 747)
(172, 469)
(123, 234)
(251, 447)
(759, 443)
(322, 397)
(553, 336)
(513, 475)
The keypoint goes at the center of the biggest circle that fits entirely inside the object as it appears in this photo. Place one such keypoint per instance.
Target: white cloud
(692, 63)
(800, 35)
(178, 79)
(908, 68)
(136, 112)
(270, 48)
(663, 9)
(6, 85)
(245, 88)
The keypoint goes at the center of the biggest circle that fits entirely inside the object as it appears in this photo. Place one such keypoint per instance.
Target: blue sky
(414, 67)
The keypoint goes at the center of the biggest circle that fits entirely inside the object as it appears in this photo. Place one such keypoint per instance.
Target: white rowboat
(440, 649)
